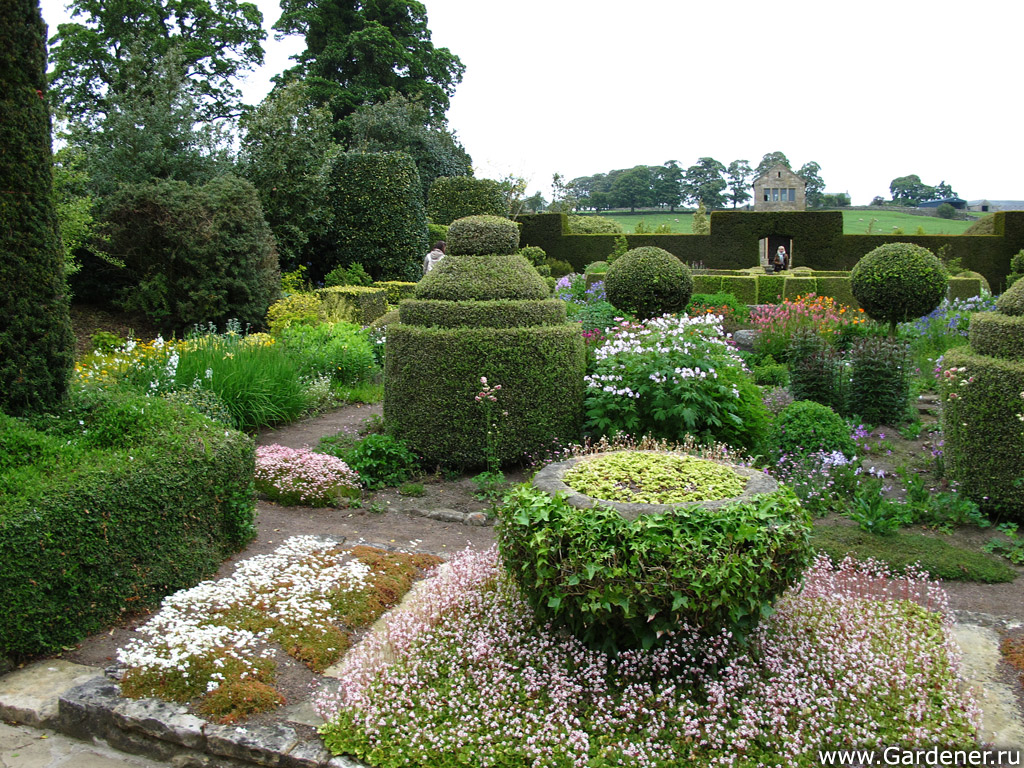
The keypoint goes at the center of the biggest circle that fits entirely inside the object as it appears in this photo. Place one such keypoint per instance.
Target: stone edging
(549, 480)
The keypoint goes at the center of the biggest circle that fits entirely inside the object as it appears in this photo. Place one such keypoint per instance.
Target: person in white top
(431, 259)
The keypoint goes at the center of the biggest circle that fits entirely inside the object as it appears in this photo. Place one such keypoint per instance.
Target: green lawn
(854, 222)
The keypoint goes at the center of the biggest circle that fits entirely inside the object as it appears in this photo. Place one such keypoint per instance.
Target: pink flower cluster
(855, 658)
(486, 392)
(301, 477)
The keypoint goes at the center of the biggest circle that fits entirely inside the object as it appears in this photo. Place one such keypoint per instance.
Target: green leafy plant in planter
(619, 584)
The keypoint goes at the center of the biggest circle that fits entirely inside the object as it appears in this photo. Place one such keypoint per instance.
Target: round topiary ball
(596, 267)
(648, 282)
(1012, 300)
(479, 235)
(897, 282)
(806, 427)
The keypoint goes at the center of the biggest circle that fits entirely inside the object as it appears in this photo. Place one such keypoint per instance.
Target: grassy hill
(855, 222)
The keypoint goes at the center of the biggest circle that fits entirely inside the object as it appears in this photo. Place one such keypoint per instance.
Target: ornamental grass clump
(299, 477)
(468, 676)
(651, 478)
(673, 376)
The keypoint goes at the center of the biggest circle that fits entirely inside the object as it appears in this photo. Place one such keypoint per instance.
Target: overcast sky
(870, 90)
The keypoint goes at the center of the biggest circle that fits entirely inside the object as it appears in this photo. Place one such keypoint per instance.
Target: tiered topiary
(648, 282)
(897, 282)
(982, 406)
(482, 312)
(454, 197)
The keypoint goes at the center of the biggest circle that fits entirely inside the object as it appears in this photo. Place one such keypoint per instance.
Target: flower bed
(300, 477)
(854, 659)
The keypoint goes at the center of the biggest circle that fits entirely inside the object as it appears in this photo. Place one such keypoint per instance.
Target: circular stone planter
(550, 481)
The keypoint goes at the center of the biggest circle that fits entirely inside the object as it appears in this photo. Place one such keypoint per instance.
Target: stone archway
(768, 245)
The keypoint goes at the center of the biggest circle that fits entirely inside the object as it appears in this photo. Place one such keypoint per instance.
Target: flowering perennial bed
(855, 658)
(215, 640)
(300, 477)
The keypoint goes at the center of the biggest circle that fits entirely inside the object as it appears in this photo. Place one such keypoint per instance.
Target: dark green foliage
(396, 290)
(339, 350)
(798, 286)
(719, 299)
(206, 401)
(382, 461)
(815, 369)
(945, 211)
(770, 374)
(616, 584)
(454, 197)
(460, 278)
(482, 235)
(984, 439)
(500, 313)
(193, 254)
(966, 286)
(377, 205)
(597, 316)
(997, 335)
(432, 376)
(437, 233)
(357, 304)
(805, 427)
(898, 282)
(707, 284)
(534, 255)
(839, 289)
(648, 282)
(1012, 301)
(36, 344)
(353, 275)
(114, 529)
(770, 289)
(1016, 269)
(879, 388)
(940, 559)
(743, 288)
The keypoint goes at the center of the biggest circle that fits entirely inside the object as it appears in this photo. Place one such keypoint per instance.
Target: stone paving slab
(23, 746)
(1002, 722)
(29, 695)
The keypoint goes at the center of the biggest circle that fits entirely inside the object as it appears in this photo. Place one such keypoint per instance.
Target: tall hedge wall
(818, 241)
(117, 528)
(36, 343)
(379, 218)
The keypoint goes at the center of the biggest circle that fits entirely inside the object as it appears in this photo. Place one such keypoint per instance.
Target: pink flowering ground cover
(855, 658)
(300, 477)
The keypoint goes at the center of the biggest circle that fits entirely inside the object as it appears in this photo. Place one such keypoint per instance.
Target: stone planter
(550, 481)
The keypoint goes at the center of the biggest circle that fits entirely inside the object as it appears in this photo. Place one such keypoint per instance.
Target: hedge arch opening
(769, 244)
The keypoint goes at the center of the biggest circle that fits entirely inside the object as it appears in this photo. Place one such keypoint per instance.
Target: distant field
(854, 223)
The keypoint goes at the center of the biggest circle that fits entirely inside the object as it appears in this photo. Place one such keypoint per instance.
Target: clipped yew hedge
(997, 335)
(453, 197)
(499, 313)
(150, 499)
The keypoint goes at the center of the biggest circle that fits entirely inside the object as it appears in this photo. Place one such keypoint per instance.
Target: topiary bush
(482, 235)
(648, 282)
(482, 278)
(378, 218)
(897, 282)
(454, 197)
(1016, 269)
(806, 427)
(1012, 301)
(616, 584)
(295, 309)
(593, 225)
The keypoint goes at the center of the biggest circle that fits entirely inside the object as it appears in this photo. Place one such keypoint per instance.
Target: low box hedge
(799, 286)
(396, 290)
(711, 283)
(115, 522)
(997, 335)
(743, 288)
(770, 289)
(836, 287)
(358, 304)
(963, 288)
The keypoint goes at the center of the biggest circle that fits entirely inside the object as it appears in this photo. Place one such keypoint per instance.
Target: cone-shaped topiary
(36, 343)
(479, 235)
(481, 312)
(897, 282)
(648, 282)
(1012, 301)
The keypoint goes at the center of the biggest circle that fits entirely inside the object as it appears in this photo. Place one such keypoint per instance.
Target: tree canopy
(364, 52)
(769, 160)
(738, 175)
(703, 183)
(811, 175)
(218, 40)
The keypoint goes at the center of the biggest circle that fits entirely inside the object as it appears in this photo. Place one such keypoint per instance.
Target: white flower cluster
(193, 632)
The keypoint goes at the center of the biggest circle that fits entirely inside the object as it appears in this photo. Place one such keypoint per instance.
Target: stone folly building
(779, 189)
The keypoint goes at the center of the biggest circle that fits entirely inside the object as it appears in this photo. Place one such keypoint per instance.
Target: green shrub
(437, 233)
(707, 284)
(770, 289)
(558, 268)
(113, 530)
(534, 255)
(945, 211)
(357, 304)
(879, 391)
(500, 313)
(795, 286)
(964, 287)
(898, 282)
(743, 288)
(454, 197)
(339, 350)
(1012, 301)
(770, 373)
(616, 584)
(463, 278)
(353, 275)
(597, 317)
(295, 309)
(807, 427)
(382, 461)
(482, 235)
(37, 346)
(699, 301)
(997, 335)
(378, 217)
(593, 225)
(193, 254)
(815, 369)
(205, 401)
(597, 267)
(396, 290)
(648, 282)
(836, 287)
(1016, 269)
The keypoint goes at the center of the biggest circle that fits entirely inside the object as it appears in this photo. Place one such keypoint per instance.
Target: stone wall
(777, 183)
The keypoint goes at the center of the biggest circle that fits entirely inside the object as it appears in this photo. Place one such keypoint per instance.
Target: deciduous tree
(704, 183)
(769, 160)
(811, 175)
(738, 175)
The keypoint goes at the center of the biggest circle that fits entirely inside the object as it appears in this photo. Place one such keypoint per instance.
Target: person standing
(431, 259)
(781, 259)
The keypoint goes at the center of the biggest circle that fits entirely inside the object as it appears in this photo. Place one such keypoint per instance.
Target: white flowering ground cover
(216, 641)
(464, 677)
(298, 476)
